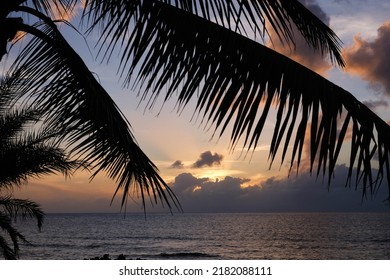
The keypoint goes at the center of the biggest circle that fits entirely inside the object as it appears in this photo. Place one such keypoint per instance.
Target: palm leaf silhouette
(25, 152)
(13, 209)
(200, 50)
(173, 50)
(6, 225)
(49, 74)
(22, 155)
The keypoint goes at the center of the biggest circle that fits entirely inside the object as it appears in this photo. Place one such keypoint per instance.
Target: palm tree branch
(8, 252)
(229, 74)
(22, 208)
(53, 7)
(95, 129)
(114, 19)
(24, 158)
(14, 234)
(316, 33)
(13, 123)
(27, 151)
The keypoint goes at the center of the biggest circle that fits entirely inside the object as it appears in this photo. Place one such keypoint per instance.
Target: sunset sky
(202, 171)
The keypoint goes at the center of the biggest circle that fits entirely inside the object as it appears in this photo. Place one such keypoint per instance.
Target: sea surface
(209, 236)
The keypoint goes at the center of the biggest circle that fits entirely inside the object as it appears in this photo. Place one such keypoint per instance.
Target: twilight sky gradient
(203, 172)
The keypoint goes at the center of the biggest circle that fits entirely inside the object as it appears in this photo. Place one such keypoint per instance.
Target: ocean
(274, 236)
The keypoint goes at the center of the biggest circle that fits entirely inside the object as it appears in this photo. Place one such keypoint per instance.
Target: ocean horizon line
(222, 212)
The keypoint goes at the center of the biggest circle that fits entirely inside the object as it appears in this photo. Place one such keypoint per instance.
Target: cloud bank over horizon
(295, 194)
(303, 193)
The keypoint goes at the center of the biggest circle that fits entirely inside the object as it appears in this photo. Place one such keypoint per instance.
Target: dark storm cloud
(369, 59)
(208, 159)
(302, 193)
(177, 164)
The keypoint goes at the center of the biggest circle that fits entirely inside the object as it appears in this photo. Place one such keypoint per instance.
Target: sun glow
(215, 174)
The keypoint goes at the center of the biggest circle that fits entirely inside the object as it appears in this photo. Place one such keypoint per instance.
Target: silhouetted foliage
(49, 74)
(192, 50)
(12, 209)
(203, 51)
(24, 153)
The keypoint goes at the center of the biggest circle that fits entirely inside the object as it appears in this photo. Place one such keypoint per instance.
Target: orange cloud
(370, 59)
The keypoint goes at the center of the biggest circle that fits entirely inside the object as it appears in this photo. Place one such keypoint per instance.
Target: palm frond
(27, 152)
(7, 251)
(13, 233)
(15, 122)
(55, 79)
(53, 7)
(23, 160)
(235, 79)
(115, 18)
(22, 209)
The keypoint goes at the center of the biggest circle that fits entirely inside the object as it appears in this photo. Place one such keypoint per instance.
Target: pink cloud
(370, 59)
